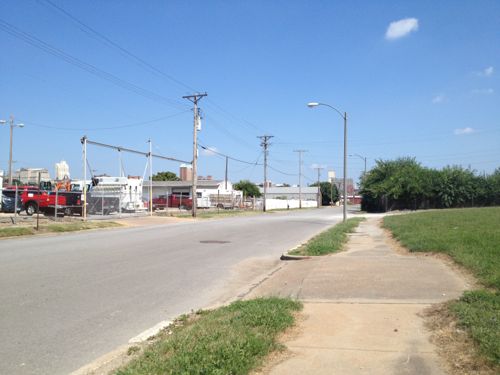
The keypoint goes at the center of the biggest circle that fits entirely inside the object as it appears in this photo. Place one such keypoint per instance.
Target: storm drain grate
(214, 241)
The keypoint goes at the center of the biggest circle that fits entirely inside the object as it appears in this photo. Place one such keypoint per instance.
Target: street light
(362, 157)
(344, 116)
(12, 126)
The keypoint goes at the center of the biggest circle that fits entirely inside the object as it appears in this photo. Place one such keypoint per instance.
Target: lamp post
(344, 116)
(363, 158)
(12, 126)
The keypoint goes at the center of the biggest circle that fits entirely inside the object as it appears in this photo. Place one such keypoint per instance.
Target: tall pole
(265, 144)
(225, 177)
(84, 142)
(345, 167)
(300, 175)
(319, 189)
(150, 178)
(11, 123)
(194, 99)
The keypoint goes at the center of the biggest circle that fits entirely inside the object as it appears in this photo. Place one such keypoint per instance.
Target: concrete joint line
(358, 349)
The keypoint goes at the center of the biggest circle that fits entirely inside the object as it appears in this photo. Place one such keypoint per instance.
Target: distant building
(30, 175)
(186, 172)
(291, 192)
(62, 170)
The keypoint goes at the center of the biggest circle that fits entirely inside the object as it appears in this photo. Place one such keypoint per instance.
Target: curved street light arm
(335, 109)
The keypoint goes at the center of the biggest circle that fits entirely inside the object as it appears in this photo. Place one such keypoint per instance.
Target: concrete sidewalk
(362, 308)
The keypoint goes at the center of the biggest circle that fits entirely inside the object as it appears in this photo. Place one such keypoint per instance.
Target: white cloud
(464, 131)
(209, 151)
(438, 98)
(488, 91)
(486, 72)
(401, 28)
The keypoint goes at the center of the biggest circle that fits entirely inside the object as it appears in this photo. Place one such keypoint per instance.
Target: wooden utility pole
(319, 188)
(300, 175)
(194, 99)
(265, 144)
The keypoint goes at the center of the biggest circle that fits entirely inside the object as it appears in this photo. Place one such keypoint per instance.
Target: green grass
(479, 312)
(16, 231)
(472, 238)
(230, 340)
(329, 241)
(55, 228)
(81, 225)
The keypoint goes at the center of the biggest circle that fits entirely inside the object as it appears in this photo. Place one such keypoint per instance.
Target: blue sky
(428, 87)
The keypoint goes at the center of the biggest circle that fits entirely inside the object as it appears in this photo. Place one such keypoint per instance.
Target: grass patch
(472, 238)
(230, 340)
(329, 241)
(16, 231)
(56, 228)
(479, 312)
(80, 225)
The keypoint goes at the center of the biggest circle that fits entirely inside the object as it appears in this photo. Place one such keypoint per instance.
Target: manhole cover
(214, 241)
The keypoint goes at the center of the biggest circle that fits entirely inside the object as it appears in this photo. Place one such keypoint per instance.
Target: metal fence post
(55, 205)
(102, 203)
(120, 203)
(15, 204)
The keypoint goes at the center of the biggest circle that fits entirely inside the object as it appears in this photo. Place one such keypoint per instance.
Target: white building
(62, 170)
(30, 175)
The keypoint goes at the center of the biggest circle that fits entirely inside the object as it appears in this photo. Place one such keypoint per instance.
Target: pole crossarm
(120, 148)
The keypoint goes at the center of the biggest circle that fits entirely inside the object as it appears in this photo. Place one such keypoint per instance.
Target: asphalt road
(66, 300)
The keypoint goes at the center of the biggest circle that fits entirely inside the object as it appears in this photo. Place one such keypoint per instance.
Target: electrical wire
(147, 122)
(90, 68)
(138, 60)
(110, 43)
(226, 156)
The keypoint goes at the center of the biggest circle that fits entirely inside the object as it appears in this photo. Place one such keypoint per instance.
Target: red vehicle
(34, 199)
(175, 200)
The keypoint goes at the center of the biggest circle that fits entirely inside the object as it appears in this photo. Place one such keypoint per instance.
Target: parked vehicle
(174, 200)
(9, 204)
(45, 200)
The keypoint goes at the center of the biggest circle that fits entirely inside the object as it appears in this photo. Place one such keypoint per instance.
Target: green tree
(248, 188)
(165, 176)
(329, 192)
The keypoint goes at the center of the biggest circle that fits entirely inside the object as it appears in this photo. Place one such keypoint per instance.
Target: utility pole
(319, 190)
(150, 155)
(265, 144)
(195, 99)
(12, 126)
(300, 175)
(225, 178)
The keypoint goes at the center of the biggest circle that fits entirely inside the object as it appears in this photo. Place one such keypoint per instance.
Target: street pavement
(68, 299)
(362, 309)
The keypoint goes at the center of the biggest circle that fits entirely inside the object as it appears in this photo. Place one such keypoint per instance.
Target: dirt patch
(454, 345)
(278, 356)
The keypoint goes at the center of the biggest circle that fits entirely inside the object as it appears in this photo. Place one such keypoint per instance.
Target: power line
(147, 122)
(137, 59)
(90, 68)
(227, 156)
(110, 43)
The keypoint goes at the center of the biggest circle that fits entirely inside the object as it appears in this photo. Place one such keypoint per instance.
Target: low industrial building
(309, 193)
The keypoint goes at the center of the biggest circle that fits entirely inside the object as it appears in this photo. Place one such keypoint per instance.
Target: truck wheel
(31, 208)
(68, 211)
(220, 205)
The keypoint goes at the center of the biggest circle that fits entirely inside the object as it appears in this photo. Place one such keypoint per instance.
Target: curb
(286, 256)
